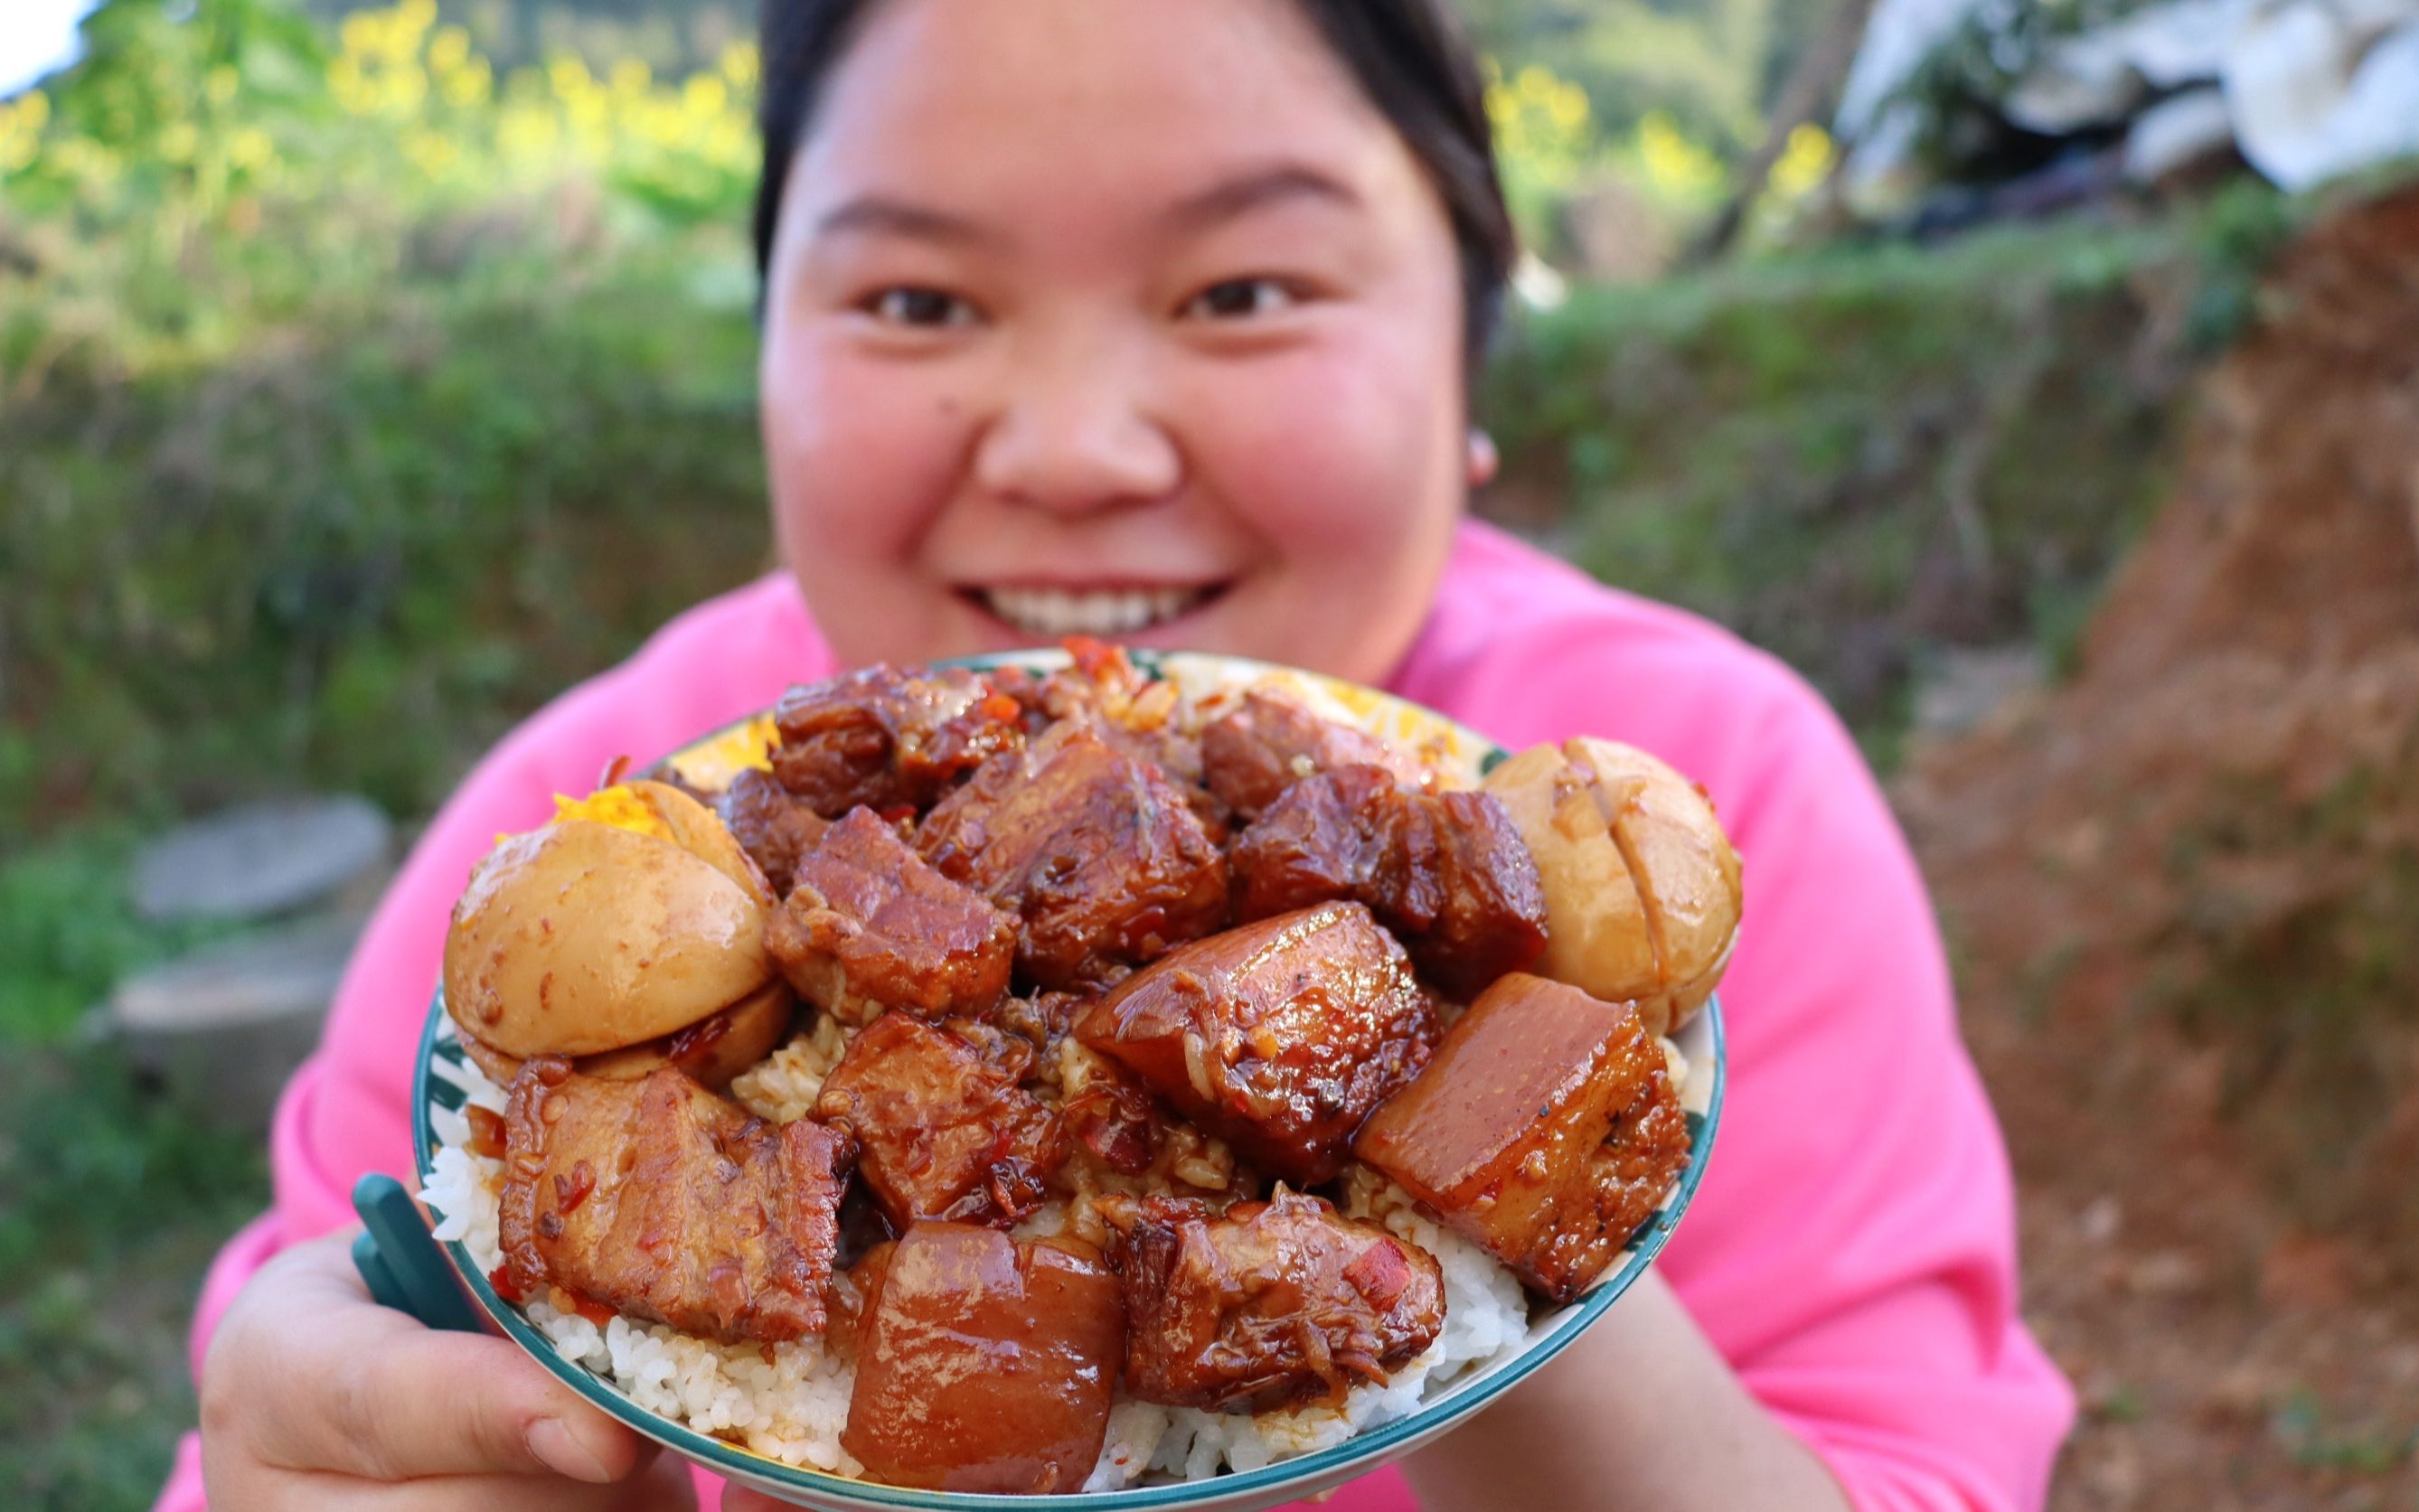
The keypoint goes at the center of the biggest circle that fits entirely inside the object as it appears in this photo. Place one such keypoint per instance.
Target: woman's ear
(1483, 458)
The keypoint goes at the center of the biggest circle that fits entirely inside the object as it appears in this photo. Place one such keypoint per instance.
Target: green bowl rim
(1367, 1446)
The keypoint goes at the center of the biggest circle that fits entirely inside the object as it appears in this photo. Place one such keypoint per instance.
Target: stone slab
(262, 859)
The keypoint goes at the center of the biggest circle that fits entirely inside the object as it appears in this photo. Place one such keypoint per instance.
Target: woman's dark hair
(1411, 58)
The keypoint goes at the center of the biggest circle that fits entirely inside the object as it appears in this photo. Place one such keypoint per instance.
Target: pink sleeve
(1852, 1250)
(344, 1113)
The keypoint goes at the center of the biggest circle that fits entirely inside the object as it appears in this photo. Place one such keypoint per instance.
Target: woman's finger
(317, 1377)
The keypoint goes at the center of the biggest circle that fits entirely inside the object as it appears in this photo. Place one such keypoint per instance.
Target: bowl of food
(1076, 1079)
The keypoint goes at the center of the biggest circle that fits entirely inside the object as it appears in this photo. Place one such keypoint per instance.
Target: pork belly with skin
(1447, 873)
(1095, 849)
(661, 1200)
(869, 926)
(1543, 1129)
(773, 825)
(984, 1365)
(889, 740)
(1278, 1037)
(1251, 754)
(942, 1127)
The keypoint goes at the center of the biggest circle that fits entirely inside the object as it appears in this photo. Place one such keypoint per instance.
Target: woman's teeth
(1056, 612)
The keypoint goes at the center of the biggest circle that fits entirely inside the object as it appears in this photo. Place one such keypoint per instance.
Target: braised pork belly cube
(772, 826)
(1447, 873)
(889, 740)
(869, 926)
(985, 1365)
(941, 1127)
(1274, 1302)
(1278, 1037)
(658, 1199)
(1094, 850)
(1545, 1130)
(1254, 753)
(1101, 688)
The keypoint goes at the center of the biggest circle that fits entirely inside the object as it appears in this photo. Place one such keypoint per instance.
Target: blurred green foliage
(1860, 457)
(111, 1203)
(334, 410)
(1709, 65)
(68, 930)
(329, 457)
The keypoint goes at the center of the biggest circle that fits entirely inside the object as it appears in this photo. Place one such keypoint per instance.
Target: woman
(1153, 318)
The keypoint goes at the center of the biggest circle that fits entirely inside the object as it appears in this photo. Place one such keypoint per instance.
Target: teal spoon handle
(400, 1261)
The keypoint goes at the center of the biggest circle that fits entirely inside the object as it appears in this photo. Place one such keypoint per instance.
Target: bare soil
(2183, 892)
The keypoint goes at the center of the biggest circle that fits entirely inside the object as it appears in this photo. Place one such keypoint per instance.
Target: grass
(1860, 455)
(111, 1204)
(111, 1199)
(69, 930)
(354, 556)
(2302, 1423)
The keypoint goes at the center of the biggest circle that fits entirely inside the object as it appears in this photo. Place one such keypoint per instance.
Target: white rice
(792, 1409)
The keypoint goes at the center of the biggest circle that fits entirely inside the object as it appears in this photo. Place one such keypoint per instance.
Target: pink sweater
(1852, 1251)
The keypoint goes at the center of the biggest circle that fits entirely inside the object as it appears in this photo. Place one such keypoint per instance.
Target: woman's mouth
(1048, 613)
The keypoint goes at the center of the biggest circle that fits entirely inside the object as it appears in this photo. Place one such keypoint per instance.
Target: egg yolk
(622, 807)
(713, 763)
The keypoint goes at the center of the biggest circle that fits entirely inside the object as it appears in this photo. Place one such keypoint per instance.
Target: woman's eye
(1240, 298)
(928, 308)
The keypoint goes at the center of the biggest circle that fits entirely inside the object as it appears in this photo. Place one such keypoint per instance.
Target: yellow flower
(21, 137)
(250, 149)
(705, 96)
(570, 78)
(220, 85)
(405, 91)
(470, 84)
(20, 129)
(349, 87)
(1804, 161)
(449, 50)
(1673, 163)
(630, 77)
(414, 17)
(526, 132)
(740, 64)
(1569, 108)
(82, 157)
(430, 153)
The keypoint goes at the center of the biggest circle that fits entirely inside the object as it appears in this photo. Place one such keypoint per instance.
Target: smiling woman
(1027, 375)
(1154, 317)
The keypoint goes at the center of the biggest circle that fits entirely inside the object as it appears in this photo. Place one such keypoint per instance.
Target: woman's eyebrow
(1256, 190)
(880, 215)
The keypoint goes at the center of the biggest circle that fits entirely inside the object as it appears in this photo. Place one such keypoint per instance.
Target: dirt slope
(2184, 892)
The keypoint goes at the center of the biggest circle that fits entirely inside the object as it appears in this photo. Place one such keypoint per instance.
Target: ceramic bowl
(398, 1261)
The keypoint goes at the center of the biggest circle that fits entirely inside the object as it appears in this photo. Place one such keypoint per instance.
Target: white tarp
(2306, 89)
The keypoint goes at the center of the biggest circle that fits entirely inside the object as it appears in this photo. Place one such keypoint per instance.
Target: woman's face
(1132, 318)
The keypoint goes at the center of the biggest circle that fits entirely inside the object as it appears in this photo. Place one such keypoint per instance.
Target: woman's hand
(1641, 1413)
(314, 1396)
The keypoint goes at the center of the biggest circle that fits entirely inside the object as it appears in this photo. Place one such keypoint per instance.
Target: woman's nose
(1077, 437)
